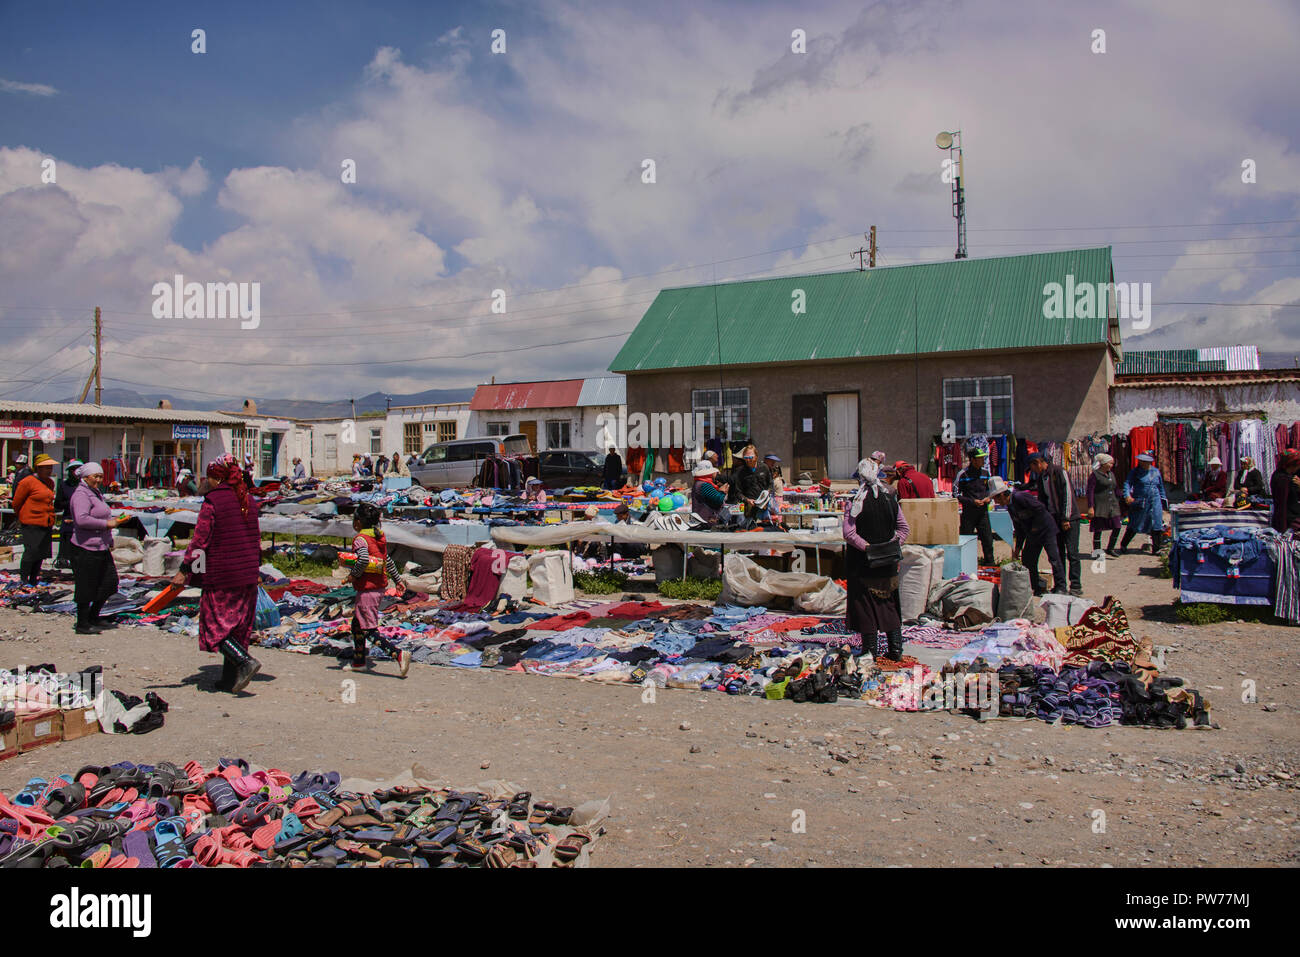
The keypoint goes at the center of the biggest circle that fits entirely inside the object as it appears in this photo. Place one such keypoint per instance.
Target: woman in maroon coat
(225, 553)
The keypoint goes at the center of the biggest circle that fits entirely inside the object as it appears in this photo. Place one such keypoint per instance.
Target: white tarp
(541, 535)
(427, 538)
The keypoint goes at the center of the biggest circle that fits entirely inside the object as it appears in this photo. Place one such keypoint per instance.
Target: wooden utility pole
(94, 373)
(872, 260)
(99, 357)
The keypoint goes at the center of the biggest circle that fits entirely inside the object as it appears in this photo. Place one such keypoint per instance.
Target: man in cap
(1054, 491)
(1036, 532)
(971, 489)
(23, 470)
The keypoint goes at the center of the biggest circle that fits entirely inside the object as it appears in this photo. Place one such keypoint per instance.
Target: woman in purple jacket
(94, 576)
(225, 553)
(874, 517)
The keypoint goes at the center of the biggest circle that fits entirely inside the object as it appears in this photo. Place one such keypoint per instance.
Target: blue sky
(522, 171)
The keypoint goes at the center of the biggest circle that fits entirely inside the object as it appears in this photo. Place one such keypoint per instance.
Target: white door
(842, 434)
(331, 452)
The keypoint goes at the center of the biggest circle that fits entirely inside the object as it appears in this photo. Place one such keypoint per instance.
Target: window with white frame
(244, 442)
(979, 406)
(498, 428)
(376, 441)
(557, 433)
(725, 411)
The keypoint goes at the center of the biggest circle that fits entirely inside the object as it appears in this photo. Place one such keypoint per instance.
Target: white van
(456, 464)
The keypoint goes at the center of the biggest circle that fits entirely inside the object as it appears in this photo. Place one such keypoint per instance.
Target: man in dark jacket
(750, 480)
(1054, 491)
(613, 477)
(971, 489)
(63, 504)
(1036, 532)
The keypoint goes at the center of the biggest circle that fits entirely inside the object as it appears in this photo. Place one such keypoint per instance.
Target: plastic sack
(153, 559)
(830, 600)
(744, 582)
(964, 602)
(1016, 592)
(514, 582)
(267, 616)
(552, 575)
(127, 552)
(1064, 610)
(919, 572)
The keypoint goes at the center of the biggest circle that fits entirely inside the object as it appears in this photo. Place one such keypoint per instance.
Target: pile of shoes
(233, 816)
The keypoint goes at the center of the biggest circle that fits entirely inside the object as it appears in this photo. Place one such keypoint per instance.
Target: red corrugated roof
(526, 395)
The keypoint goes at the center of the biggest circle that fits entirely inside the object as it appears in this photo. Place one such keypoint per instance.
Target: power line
(769, 252)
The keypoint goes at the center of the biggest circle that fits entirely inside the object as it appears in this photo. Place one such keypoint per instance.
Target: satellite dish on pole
(943, 141)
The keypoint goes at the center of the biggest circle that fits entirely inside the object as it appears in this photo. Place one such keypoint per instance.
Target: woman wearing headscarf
(1214, 484)
(93, 573)
(1285, 486)
(63, 505)
(34, 505)
(185, 484)
(1103, 504)
(398, 467)
(226, 551)
(874, 518)
(1250, 480)
(1144, 493)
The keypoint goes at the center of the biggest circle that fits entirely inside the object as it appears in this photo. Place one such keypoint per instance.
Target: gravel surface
(704, 778)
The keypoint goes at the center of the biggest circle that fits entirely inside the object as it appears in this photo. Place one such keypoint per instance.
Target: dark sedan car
(563, 468)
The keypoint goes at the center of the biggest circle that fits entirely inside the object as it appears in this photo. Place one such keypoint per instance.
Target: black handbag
(883, 555)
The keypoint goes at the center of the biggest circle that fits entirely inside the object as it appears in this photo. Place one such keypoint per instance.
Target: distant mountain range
(285, 408)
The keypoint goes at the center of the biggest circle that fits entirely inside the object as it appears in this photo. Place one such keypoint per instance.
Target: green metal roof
(963, 305)
(1167, 360)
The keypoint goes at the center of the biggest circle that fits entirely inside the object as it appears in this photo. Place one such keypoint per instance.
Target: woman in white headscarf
(1103, 504)
(873, 522)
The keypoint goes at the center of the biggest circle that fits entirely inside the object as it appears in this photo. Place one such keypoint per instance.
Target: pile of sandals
(143, 816)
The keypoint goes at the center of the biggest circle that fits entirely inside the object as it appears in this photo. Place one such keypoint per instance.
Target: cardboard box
(79, 722)
(36, 729)
(9, 737)
(933, 521)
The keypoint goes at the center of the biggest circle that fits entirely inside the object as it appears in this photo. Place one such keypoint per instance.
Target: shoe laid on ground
(403, 662)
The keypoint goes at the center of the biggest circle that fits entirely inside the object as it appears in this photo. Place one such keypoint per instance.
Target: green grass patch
(300, 566)
(604, 581)
(1209, 613)
(1166, 572)
(692, 589)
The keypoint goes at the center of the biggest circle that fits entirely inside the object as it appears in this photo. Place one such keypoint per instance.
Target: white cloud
(35, 89)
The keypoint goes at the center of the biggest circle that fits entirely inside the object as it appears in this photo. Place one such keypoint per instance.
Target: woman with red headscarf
(224, 554)
(1286, 492)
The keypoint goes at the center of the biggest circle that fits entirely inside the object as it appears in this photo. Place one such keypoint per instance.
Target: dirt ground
(699, 778)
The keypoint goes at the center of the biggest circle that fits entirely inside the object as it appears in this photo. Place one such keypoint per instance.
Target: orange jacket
(34, 502)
